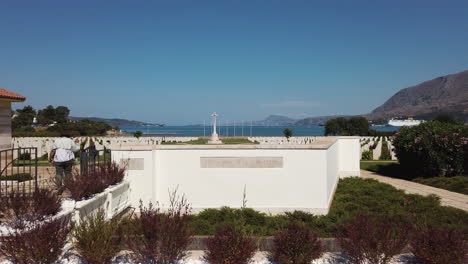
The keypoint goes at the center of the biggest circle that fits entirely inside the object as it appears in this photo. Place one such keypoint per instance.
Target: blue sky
(175, 62)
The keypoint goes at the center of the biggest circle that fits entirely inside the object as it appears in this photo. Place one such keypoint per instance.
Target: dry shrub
(39, 243)
(435, 245)
(230, 245)
(160, 236)
(372, 239)
(96, 239)
(83, 186)
(296, 244)
(20, 207)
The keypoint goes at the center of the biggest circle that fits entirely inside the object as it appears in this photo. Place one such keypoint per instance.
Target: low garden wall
(111, 201)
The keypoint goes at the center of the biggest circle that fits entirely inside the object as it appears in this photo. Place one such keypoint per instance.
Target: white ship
(407, 122)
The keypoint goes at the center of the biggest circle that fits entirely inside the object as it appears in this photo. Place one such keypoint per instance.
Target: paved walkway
(447, 198)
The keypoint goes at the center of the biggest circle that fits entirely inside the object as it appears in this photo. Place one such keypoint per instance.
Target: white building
(276, 178)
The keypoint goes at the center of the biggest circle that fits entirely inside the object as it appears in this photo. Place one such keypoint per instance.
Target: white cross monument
(214, 137)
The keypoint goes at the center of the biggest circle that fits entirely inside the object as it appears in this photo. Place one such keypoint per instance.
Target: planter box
(112, 201)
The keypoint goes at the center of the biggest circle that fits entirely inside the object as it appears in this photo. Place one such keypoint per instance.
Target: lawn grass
(353, 196)
(388, 168)
(20, 177)
(203, 141)
(393, 169)
(237, 141)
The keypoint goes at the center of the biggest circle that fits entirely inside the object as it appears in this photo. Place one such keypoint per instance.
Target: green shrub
(210, 220)
(21, 177)
(368, 155)
(96, 239)
(457, 184)
(432, 149)
(24, 156)
(138, 134)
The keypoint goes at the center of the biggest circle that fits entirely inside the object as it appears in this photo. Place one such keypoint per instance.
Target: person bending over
(63, 156)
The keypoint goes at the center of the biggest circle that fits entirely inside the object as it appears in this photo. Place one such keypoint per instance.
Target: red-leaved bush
(296, 244)
(372, 239)
(93, 181)
(39, 243)
(160, 236)
(19, 207)
(434, 245)
(230, 245)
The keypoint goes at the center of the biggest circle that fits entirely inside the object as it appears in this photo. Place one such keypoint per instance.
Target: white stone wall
(284, 140)
(305, 181)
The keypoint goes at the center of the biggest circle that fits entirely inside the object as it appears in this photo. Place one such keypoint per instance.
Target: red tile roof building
(5, 94)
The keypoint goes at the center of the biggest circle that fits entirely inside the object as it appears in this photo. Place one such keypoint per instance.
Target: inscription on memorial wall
(241, 162)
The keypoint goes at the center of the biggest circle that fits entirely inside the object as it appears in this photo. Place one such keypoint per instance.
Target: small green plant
(385, 153)
(96, 239)
(367, 155)
(296, 244)
(138, 134)
(24, 156)
(287, 133)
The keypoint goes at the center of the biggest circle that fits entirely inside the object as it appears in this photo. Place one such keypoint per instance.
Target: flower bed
(37, 226)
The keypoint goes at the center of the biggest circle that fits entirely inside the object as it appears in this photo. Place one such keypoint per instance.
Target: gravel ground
(196, 257)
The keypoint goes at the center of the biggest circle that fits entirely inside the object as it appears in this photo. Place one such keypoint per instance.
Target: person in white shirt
(63, 156)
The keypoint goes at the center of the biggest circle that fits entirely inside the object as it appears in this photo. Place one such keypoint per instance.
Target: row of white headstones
(367, 142)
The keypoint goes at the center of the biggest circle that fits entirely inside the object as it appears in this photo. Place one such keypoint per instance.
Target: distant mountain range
(277, 120)
(443, 95)
(446, 94)
(116, 121)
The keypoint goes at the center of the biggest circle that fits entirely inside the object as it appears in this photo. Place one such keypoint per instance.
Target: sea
(239, 131)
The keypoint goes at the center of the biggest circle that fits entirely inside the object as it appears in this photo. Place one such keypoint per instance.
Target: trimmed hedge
(457, 184)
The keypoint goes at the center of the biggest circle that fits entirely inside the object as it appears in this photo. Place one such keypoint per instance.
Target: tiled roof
(5, 94)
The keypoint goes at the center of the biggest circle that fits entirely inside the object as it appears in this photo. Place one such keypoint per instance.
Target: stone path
(447, 198)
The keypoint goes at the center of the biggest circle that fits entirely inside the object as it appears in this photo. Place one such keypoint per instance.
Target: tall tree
(61, 114)
(24, 117)
(46, 116)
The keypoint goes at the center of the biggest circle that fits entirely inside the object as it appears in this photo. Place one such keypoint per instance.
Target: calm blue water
(195, 131)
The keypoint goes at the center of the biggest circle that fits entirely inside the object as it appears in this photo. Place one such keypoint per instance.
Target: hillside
(116, 121)
(275, 120)
(314, 121)
(445, 94)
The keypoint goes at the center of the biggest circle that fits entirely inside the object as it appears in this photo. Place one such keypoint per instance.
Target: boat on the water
(405, 122)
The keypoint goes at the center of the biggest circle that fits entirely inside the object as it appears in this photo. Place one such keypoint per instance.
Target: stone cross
(214, 137)
(214, 115)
